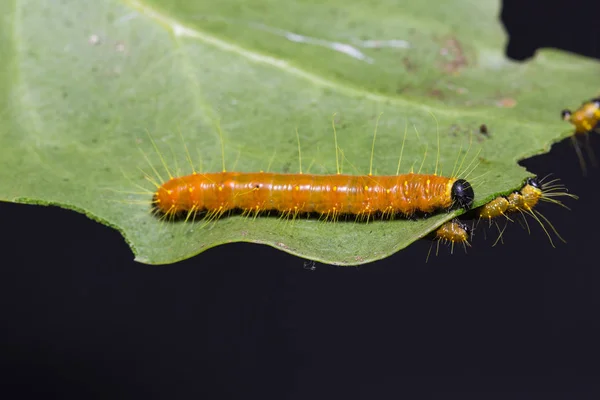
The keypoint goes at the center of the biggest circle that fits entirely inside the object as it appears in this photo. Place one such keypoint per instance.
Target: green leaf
(81, 84)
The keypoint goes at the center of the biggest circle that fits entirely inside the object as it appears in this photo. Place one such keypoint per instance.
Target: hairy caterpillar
(329, 196)
(585, 119)
(524, 201)
(449, 233)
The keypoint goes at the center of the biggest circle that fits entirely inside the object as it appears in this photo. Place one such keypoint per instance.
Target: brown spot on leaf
(507, 102)
(437, 93)
(454, 58)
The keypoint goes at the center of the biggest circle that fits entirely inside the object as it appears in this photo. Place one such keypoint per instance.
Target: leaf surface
(84, 84)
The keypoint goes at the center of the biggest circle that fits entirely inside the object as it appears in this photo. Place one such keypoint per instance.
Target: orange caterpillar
(586, 119)
(450, 233)
(524, 202)
(328, 195)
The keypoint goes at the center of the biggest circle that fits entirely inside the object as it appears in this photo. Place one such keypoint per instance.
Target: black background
(516, 321)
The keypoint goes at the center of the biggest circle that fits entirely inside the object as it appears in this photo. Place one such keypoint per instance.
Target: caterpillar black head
(462, 194)
(466, 228)
(535, 182)
(566, 115)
